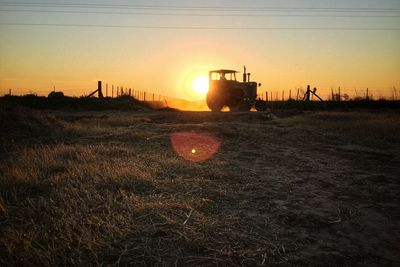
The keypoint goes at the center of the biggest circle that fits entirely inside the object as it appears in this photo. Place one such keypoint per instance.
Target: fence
(338, 94)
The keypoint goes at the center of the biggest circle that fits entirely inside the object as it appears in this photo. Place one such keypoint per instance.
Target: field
(145, 188)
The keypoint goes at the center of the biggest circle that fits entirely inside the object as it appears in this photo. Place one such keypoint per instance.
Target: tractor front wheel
(214, 102)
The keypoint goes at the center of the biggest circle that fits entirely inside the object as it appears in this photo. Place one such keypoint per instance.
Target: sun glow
(200, 85)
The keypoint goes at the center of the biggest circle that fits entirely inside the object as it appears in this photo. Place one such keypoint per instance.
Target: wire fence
(339, 94)
(111, 90)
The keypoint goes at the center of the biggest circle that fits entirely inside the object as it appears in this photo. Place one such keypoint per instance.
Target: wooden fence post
(100, 93)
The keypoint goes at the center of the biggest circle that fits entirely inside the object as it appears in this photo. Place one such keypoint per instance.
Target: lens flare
(195, 147)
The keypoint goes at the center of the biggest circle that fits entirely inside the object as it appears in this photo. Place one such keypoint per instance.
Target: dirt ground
(200, 188)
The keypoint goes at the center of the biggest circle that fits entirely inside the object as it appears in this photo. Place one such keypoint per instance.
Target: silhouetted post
(290, 94)
(106, 89)
(112, 91)
(306, 96)
(266, 96)
(117, 91)
(130, 92)
(144, 96)
(99, 89)
(9, 92)
(298, 92)
(283, 95)
(366, 95)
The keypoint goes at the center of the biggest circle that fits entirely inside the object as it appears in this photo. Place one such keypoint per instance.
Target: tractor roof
(224, 71)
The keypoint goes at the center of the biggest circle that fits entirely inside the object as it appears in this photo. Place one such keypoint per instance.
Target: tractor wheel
(261, 105)
(243, 106)
(233, 107)
(214, 102)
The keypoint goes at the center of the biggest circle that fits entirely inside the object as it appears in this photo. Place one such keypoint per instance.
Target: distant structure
(55, 94)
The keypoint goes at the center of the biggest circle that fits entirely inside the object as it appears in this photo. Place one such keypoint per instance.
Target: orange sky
(165, 61)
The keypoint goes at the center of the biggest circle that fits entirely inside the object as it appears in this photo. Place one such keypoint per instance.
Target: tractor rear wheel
(261, 105)
(244, 106)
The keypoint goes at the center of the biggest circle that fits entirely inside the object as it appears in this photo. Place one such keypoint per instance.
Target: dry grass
(106, 188)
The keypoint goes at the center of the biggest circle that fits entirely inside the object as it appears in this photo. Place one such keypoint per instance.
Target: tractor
(225, 91)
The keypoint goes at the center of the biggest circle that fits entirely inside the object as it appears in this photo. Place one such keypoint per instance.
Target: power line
(201, 15)
(199, 8)
(199, 27)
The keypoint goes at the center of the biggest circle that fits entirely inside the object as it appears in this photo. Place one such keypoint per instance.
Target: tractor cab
(222, 75)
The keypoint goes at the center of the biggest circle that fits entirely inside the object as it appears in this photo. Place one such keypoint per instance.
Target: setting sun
(200, 85)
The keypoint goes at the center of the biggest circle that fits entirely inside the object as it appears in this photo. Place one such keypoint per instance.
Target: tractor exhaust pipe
(244, 74)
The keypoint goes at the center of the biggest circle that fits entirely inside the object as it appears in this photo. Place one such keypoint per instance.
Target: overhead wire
(88, 9)
(213, 8)
(199, 27)
(198, 14)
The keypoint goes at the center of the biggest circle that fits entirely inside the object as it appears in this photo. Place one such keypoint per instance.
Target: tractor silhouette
(225, 91)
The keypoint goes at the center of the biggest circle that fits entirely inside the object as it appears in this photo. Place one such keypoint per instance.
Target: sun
(200, 85)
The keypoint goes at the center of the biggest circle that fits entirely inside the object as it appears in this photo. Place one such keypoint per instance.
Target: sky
(162, 46)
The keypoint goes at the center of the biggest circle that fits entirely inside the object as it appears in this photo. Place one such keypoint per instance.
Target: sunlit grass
(107, 188)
